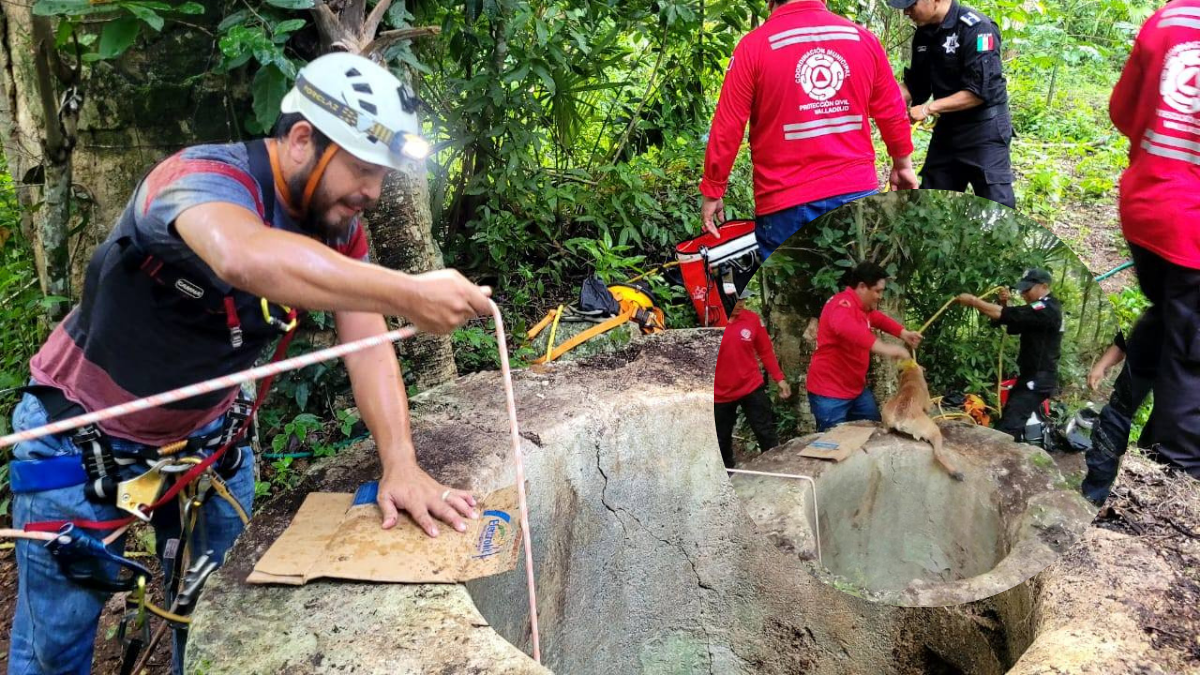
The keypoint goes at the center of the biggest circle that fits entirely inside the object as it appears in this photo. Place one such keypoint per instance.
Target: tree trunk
(157, 98)
(401, 229)
(883, 378)
(794, 337)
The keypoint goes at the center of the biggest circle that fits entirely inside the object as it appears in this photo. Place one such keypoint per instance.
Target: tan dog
(906, 412)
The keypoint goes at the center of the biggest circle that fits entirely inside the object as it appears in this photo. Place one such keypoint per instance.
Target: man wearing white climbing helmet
(215, 246)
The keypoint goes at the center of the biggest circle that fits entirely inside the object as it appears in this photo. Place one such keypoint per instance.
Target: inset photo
(926, 445)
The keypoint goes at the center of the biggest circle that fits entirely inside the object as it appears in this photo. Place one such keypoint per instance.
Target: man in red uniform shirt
(1156, 103)
(837, 377)
(807, 79)
(739, 382)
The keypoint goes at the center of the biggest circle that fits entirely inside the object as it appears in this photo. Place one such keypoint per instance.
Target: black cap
(1032, 278)
(901, 4)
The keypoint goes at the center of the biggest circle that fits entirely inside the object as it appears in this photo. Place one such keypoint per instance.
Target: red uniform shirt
(807, 80)
(844, 339)
(1156, 104)
(745, 342)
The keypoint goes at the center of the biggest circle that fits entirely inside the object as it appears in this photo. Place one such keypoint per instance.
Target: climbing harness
(607, 307)
(42, 531)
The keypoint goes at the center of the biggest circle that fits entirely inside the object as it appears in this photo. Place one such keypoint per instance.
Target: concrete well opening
(889, 517)
(896, 528)
(649, 559)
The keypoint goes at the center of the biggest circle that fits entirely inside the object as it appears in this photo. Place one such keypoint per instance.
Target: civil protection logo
(496, 535)
(1180, 84)
(745, 333)
(821, 73)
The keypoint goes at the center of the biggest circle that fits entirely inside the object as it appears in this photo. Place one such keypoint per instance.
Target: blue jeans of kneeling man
(830, 412)
(54, 627)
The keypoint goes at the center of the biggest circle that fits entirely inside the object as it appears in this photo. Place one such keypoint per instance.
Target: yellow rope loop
(164, 614)
(643, 275)
(553, 330)
(955, 415)
(223, 491)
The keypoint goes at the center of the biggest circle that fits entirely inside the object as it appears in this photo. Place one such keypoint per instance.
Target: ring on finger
(445, 495)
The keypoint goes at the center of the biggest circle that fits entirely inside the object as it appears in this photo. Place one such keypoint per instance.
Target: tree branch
(43, 41)
(390, 37)
(376, 18)
(331, 29)
(352, 15)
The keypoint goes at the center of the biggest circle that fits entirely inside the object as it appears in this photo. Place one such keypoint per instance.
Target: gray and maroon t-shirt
(134, 334)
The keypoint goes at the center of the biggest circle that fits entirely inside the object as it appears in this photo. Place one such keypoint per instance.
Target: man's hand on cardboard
(418, 494)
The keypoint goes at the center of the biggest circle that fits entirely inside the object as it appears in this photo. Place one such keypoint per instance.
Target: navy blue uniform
(1040, 325)
(969, 147)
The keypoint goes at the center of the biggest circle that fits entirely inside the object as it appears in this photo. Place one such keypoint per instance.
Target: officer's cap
(1032, 278)
(901, 4)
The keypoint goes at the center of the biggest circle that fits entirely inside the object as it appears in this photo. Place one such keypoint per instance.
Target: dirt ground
(1161, 508)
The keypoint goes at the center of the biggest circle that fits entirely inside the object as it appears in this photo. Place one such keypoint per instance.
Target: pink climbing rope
(520, 464)
(224, 382)
(296, 363)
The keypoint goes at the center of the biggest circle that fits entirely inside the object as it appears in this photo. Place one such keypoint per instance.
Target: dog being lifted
(906, 412)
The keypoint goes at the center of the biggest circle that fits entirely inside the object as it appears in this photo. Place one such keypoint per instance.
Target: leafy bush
(22, 308)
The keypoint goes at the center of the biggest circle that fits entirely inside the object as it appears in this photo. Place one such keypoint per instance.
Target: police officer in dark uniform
(956, 60)
(1039, 322)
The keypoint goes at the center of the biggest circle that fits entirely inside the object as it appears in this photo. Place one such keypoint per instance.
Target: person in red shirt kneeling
(837, 377)
(740, 384)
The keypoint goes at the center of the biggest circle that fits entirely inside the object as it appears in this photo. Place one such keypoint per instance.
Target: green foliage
(261, 35)
(476, 349)
(1128, 305)
(299, 429)
(22, 308)
(121, 21)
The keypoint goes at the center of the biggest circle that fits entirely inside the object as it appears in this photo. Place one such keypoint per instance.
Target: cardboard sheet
(837, 443)
(339, 536)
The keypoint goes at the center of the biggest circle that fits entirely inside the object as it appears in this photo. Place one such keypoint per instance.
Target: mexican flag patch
(986, 42)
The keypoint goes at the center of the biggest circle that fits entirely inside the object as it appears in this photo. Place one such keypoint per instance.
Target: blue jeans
(773, 229)
(55, 623)
(831, 412)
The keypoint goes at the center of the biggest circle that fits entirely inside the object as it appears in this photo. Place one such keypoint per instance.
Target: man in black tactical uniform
(956, 60)
(1039, 322)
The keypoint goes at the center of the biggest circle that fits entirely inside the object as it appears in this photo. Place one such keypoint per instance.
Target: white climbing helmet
(361, 107)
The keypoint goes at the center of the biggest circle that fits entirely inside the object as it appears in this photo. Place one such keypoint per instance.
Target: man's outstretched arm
(294, 270)
(379, 392)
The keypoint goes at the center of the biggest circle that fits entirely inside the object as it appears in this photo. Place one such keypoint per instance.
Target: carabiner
(271, 320)
(88, 562)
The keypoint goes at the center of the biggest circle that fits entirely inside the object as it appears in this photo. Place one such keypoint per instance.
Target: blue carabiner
(85, 560)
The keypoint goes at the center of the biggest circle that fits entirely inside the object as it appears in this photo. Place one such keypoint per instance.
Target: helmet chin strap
(310, 188)
(315, 177)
